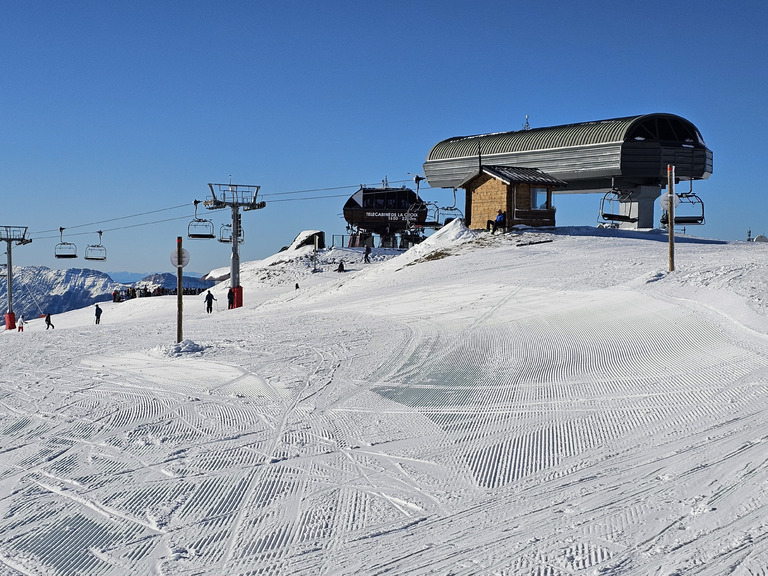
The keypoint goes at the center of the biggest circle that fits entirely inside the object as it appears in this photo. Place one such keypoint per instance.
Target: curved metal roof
(510, 174)
(660, 127)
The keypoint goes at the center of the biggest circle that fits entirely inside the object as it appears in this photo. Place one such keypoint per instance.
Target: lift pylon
(12, 235)
(234, 196)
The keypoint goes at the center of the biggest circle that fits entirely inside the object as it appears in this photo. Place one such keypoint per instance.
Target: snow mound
(301, 247)
(183, 348)
(447, 237)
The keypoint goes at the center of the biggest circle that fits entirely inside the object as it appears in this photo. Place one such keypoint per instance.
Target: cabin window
(539, 198)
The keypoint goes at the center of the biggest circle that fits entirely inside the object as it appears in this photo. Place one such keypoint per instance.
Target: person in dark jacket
(500, 222)
(230, 299)
(209, 298)
(98, 314)
(48, 323)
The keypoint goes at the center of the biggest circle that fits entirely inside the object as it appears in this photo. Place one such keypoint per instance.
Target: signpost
(671, 198)
(179, 258)
(668, 203)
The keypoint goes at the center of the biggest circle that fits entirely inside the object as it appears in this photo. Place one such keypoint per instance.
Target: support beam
(641, 206)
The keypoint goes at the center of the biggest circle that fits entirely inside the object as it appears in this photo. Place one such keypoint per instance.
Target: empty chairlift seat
(200, 228)
(611, 207)
(690, 211)
(96, 251)
(64, 249)
(225, 234)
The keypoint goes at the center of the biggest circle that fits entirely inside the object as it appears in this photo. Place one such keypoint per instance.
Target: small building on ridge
(524, 195)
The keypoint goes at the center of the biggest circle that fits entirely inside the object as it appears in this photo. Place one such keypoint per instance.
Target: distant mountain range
(131, 277)
(38, 290)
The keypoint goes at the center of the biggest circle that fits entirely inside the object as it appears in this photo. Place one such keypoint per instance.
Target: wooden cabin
(523, 194)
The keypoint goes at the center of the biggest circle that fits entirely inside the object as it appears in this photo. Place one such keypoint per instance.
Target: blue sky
(117, 115)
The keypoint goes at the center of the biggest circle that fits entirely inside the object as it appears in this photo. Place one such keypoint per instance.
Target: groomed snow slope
(542, 403)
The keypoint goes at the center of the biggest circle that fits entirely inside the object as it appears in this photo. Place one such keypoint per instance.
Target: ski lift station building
(519, 171)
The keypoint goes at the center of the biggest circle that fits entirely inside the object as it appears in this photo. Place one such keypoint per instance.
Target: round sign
(664, 200)
(184, 258)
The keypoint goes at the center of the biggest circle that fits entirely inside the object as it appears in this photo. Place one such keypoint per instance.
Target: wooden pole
(179, 290)
(671, 214)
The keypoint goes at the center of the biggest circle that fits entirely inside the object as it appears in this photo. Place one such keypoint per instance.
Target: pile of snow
(541, 402)
(181, 348)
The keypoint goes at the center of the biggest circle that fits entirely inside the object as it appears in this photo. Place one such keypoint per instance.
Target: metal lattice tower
(234, 196)
(12, 235)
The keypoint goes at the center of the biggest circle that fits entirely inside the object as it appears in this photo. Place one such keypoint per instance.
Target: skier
(21, 323)
(98, 314)
(48, 323)
(367, 254)
(230, 299)
(209, 302)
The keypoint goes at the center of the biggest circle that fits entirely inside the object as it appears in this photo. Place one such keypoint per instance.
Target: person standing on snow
(98, 314)
(21, 323)
(48, 323)
(367, 254)
(209, 302)
(230, 299)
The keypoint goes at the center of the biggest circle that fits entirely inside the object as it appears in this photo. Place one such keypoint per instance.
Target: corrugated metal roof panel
(599, 132)
(510, 174)
(648, 126)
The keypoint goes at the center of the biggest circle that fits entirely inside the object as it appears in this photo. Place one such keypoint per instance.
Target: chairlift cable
(322, 189)
(115, 219)
(31, 295)
(34, 235)
(119, 227)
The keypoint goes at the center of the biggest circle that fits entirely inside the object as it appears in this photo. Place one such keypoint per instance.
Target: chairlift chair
(610, 207)
(450, 213)
(200, 228)
(225, 234)
(64, 249)
(689, 211)
(96, 251)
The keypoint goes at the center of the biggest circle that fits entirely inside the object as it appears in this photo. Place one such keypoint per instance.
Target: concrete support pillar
(641, 206)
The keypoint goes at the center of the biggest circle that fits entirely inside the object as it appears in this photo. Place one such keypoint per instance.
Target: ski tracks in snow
(526, 431)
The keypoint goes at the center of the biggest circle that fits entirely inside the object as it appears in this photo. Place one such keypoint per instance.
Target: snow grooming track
(595, 361)
(513, 413)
